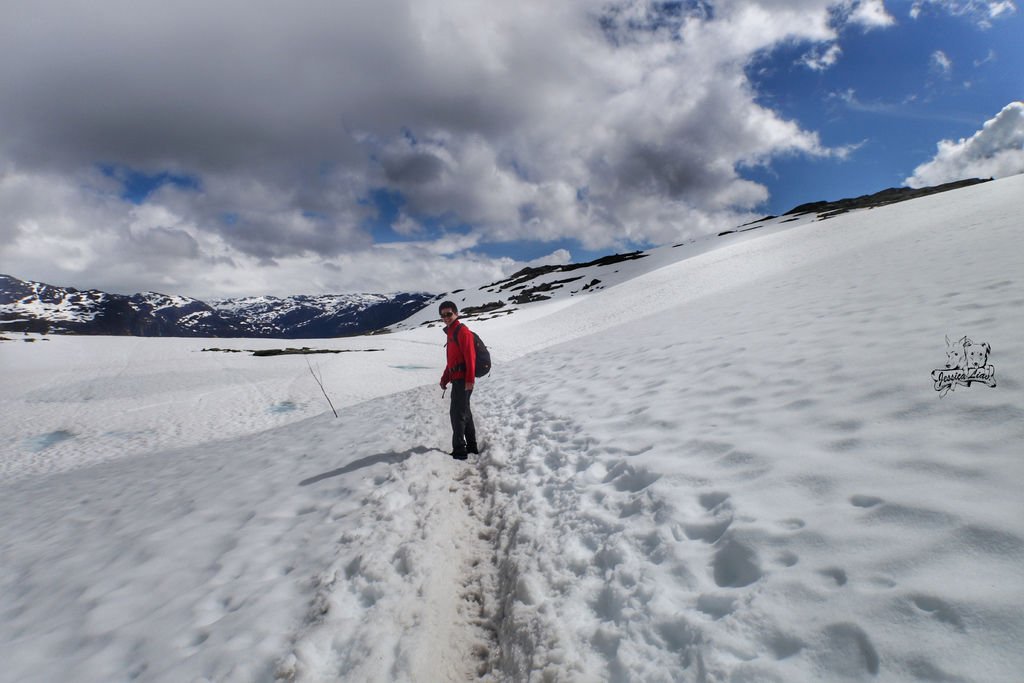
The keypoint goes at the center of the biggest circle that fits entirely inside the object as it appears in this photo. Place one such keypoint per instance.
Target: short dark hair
(448, 304)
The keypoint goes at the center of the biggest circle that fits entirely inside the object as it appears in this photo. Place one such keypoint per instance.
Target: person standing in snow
(460, 371)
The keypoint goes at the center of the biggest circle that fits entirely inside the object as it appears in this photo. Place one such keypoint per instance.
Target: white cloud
(981, 12)
(941, 62)
(997, 150)
(609, 123)
(66, 232)
(559, 257)
(818, 59)
(448, 244)
(991, 56)
(871, 14)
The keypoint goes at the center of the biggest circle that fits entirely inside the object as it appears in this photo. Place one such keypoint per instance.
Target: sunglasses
(448, 315)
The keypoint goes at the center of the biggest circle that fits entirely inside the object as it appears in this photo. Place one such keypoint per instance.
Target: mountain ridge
(29, 306)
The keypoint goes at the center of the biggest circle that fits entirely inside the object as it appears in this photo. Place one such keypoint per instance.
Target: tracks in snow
(410, 595)
(583, 552)
(544, 560)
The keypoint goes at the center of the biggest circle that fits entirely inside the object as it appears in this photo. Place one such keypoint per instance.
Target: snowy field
(731, 466)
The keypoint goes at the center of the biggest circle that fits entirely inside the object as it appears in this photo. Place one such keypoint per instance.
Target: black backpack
(483, 356)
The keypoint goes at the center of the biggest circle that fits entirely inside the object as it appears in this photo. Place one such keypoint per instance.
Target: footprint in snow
(835, 574)
(709, 501)
(792, 524)
(735, 565)
(939, 609)
(625, 477)
(709, 532)
(846, 651)
(716, 606)
(787, 559)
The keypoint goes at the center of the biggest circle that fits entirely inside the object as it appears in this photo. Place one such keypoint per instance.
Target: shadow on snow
(389, 458)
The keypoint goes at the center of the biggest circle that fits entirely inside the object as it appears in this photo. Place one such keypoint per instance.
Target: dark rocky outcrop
(827, 209)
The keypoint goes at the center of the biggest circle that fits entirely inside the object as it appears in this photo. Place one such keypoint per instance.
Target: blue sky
(240, 148)
(888, 91)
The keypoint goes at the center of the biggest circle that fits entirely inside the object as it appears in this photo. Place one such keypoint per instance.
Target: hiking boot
(459, 455)
(471, 448)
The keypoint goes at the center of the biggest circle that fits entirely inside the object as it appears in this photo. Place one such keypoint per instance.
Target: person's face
(448, 316)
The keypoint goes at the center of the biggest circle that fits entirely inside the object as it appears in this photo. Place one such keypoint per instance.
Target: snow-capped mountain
(39, 307)
(311, 317)
(27, 306)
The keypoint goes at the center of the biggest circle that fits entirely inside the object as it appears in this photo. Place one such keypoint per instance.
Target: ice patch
(41, 442)
(283, 407)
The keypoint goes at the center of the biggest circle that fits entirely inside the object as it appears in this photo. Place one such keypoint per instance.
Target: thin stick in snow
(321, 385)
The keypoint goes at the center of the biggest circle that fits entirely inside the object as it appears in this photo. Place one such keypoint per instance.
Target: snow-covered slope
(524, 290)
(734, 466)
(519, 292)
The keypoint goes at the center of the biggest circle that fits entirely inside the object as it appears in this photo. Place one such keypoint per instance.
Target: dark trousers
(463, 429)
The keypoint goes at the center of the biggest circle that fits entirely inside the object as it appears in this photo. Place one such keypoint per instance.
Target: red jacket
(461, 354)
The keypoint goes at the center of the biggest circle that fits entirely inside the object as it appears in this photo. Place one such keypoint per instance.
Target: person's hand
(444, 385)
(469, 386)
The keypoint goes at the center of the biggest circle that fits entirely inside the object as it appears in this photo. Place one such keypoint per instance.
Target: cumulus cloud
(559, 257)
(611, 123)
(997, 150)
(872, 14)
(60, 233)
